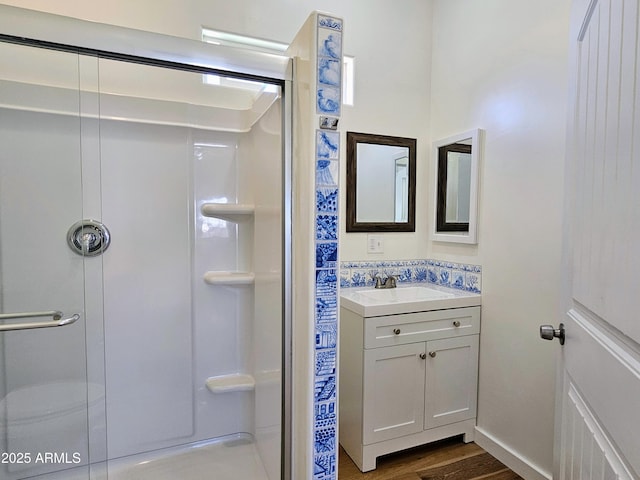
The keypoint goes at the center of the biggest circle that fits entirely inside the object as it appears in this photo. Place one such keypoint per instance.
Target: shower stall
(143, 272)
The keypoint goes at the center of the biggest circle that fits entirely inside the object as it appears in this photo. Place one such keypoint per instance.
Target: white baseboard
(509, 457)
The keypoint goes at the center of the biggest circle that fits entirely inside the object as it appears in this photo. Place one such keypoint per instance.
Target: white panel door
(598, 436)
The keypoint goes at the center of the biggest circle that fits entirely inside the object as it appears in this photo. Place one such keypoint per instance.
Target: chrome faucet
(389, 282)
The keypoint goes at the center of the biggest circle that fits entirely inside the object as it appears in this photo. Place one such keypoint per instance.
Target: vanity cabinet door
(451, 380)
(393, 403)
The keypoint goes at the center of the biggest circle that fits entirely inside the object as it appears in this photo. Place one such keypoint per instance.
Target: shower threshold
(230, 458)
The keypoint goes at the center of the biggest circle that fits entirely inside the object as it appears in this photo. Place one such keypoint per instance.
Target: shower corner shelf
(234, 212)
(229, 278)
(236, 382)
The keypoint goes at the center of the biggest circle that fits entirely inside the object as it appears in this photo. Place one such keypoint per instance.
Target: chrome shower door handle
(547, 332)
(58, 320)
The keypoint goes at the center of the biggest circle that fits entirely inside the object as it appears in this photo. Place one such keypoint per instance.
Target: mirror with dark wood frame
(381, 183)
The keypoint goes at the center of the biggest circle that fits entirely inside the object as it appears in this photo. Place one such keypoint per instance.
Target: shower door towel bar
(58, 320)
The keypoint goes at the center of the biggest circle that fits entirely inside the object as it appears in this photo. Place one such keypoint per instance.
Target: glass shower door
(45, 399)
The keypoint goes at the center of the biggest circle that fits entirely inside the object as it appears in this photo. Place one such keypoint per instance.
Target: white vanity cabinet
(406, 379)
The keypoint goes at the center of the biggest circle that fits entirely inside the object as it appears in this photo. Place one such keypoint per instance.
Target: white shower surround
(157, 159)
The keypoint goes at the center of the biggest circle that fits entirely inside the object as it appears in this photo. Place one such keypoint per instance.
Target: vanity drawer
(421, 326)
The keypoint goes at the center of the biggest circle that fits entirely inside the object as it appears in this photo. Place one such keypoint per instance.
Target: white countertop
(361, 300)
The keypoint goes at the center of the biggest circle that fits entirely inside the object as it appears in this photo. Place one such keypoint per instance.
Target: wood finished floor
(408, 464)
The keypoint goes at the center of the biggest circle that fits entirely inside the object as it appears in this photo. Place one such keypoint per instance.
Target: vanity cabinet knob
(433, 354)
(456, 323)
(423, 355)
(396, 331)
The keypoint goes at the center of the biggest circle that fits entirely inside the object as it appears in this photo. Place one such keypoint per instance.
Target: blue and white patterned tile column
(327, 148)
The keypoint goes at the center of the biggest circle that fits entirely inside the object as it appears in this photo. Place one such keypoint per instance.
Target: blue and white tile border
(454, 275)
(329, 91)
(327, 149)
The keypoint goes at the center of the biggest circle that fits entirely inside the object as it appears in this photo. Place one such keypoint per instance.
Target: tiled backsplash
(448, 274)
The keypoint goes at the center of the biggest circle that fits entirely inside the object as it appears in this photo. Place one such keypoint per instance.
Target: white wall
(502, 66)
(392, 49)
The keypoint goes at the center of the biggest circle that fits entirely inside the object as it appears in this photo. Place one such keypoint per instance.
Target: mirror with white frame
(457, 161)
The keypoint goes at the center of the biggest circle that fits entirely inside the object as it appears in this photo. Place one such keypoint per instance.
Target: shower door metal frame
(56, 32)
(287, 284)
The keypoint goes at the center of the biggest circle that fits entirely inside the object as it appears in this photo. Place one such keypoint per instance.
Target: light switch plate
(375, 244)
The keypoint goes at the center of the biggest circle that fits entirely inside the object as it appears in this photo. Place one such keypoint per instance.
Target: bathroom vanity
(408, 368)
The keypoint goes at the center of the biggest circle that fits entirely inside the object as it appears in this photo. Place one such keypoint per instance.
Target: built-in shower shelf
(234, 212)
(229, 278)
(236, 382)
